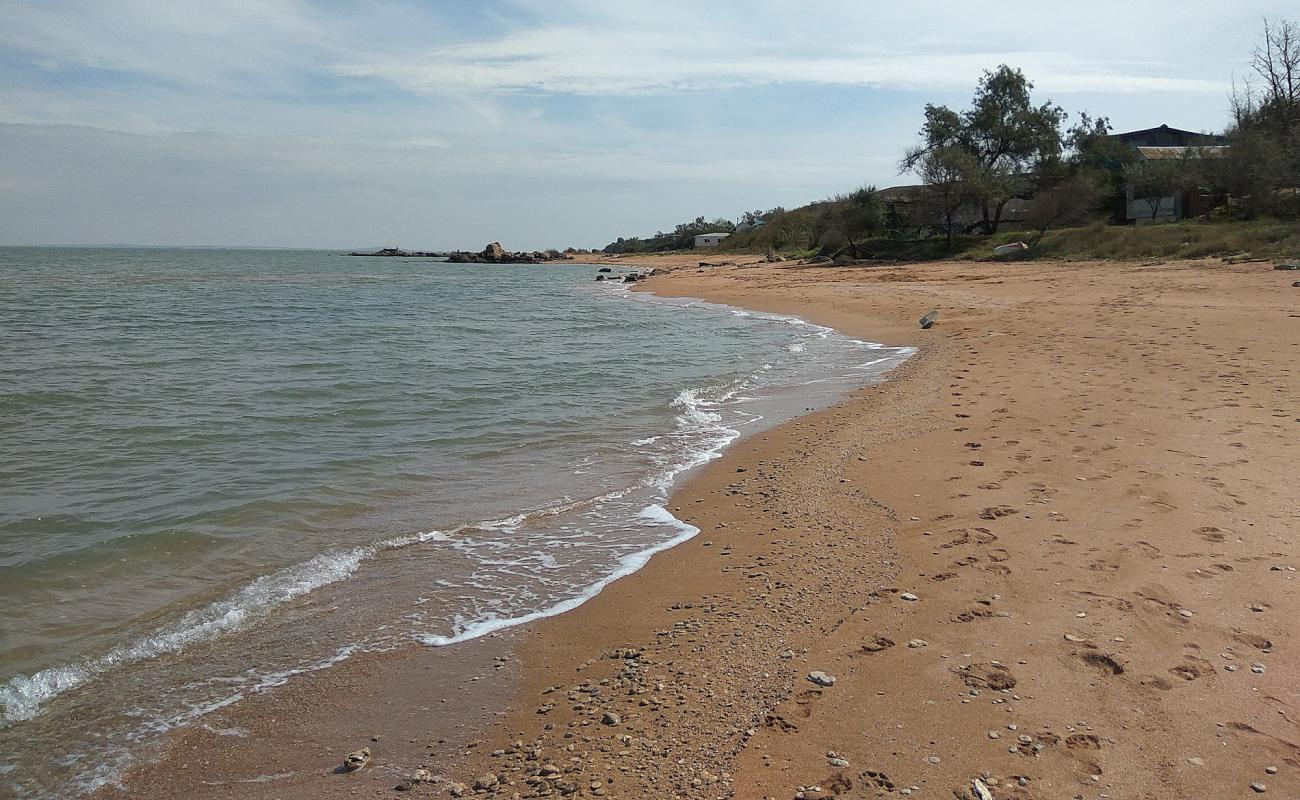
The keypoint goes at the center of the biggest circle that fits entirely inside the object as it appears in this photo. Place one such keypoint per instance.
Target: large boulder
(494, 252)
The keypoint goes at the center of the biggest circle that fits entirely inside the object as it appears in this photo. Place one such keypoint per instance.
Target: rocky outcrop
(397, 252)
(494, 253)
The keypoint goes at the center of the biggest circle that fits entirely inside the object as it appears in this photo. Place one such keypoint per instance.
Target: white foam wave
(628, 564)
(22, 697)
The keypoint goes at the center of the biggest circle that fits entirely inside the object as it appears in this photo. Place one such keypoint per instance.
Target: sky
(536, 123)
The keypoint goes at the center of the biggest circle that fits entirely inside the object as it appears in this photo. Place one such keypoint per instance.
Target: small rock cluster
(494, 253)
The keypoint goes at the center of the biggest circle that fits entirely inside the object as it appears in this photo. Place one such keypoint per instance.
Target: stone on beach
(821, 678)
(356, 759)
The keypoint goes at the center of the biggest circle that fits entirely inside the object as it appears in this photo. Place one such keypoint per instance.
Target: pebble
(356, 759)
(1259, 787)
(909, 597)
(1182, 612)
(933, 759)
(1196, 761)
(915, 643)
(610, 718)
(821, 678)
(1271, 770)
(1257, 668)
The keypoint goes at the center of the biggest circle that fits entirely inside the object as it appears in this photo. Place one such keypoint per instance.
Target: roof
(910, 192)
(1165, 130)
(1168, 153)
(719, 233)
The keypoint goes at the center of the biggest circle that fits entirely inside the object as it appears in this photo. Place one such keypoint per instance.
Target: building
(1165, 136)
(710, 239)
(1162, 144)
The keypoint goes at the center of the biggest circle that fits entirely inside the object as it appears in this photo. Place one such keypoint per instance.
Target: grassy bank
(1257, 239)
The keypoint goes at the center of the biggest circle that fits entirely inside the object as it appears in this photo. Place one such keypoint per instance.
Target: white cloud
(539, 122)
(613, 62)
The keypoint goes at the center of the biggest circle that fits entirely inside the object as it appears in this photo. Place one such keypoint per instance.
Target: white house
(710, 239)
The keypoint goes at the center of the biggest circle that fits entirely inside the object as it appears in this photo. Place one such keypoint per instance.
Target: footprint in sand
(987, 675)
(997, 512)
(876, 644)
(1257, 642)
(1212, 534)
(1102, 661)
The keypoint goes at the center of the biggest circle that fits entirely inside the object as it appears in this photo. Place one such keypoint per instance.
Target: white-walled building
(710, 239)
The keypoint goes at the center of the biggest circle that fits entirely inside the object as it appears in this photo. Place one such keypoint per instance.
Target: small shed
(710, 239)
(1189, 203)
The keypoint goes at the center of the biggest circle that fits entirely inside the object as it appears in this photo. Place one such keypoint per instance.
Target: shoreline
(1050, 503)
(257, 718)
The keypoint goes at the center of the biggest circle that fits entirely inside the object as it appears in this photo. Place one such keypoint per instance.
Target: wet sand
(1054, 552)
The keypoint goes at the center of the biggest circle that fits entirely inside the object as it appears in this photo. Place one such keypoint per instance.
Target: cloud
(538, 122)
(611, 62)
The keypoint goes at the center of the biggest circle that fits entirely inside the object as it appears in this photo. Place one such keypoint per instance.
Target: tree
(1154, 181)
(948, 171)
(858, 216)
(1067, 202)
(1276, 60)
(1099, 159)
(1004, 136)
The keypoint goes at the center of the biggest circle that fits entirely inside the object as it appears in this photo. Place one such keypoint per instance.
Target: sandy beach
(1054, 553)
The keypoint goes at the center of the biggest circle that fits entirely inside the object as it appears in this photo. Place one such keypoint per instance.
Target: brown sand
(1086, 480)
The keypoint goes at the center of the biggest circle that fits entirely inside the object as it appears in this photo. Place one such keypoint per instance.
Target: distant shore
(1054, 553)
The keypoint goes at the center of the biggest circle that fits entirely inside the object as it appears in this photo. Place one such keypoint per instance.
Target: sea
(221, 469)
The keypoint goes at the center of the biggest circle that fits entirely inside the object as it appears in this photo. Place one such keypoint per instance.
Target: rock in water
(356, 759)
(927, 322)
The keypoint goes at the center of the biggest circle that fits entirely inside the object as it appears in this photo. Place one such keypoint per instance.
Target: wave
(21, 698)
(706, 420)
(655, 515)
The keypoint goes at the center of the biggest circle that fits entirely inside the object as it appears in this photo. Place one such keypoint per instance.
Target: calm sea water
(221, 468)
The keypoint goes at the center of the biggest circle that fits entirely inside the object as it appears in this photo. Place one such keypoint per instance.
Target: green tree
(1066, 202)
(1096, 157)
(1261, 170)
(950, 173)
(1156, 181)
(858, 216)
(1003, 134)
